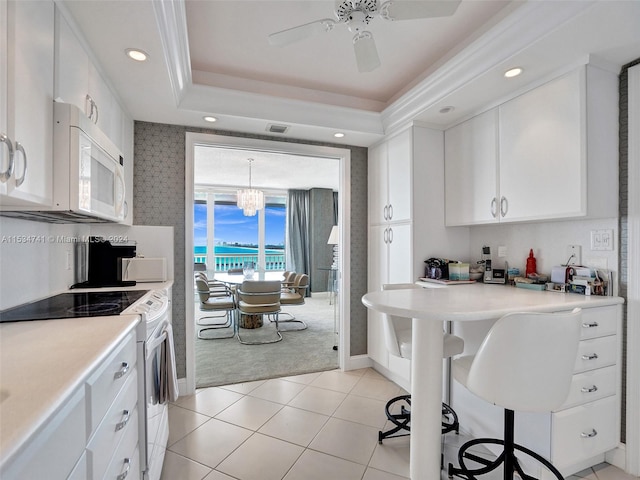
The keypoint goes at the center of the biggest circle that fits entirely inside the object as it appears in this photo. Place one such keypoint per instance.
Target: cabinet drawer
(113, 427)
(599, 322)
(584, 431)
(125, 463)
(106, 382)
(596, 353)
(591, 386)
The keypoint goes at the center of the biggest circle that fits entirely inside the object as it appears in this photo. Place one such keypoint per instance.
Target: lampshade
(250, 200)
(334, 236)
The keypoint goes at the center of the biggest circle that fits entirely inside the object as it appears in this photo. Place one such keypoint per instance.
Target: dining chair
(259, 298)
(294, 295)
(525, 363)
(220, 300)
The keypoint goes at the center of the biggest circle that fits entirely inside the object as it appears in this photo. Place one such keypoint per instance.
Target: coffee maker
(99, 263)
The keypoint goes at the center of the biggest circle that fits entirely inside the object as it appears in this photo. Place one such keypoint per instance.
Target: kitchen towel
(168, 375)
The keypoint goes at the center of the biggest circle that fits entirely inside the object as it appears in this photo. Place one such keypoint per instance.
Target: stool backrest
(392, 323)
(526, 361)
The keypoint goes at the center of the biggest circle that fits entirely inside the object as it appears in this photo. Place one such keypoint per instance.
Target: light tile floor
(317, 426)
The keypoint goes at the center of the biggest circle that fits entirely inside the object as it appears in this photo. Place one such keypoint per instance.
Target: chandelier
(250, 200)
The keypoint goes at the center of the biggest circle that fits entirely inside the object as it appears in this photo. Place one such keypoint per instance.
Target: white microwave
(88, 173)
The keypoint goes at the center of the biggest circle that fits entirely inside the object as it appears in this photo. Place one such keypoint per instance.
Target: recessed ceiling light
(209, 118)
(137, 55)
(447, 109)
(338, 134)
(513, 72)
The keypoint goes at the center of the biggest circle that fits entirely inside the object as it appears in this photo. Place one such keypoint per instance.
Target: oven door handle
(153, 344)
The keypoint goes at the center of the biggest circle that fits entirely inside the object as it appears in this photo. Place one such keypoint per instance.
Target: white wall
(33, 259)
(549, 241)
(33, 255)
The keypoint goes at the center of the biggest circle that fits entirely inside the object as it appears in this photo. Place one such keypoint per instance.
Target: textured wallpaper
(158, 199)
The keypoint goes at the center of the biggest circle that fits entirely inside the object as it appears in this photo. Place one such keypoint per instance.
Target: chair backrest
(391, 323)
(526, 361)
(301, 283)
(264, 294)
(199, 267)
(202, 288)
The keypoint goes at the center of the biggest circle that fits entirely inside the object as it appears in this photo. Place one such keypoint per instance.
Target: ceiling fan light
(366, 52)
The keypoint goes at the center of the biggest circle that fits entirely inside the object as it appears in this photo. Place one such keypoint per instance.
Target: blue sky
(232, 226)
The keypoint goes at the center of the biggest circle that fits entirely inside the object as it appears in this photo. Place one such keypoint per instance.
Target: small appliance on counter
(492, 275)
(99, 263)
(143, 269)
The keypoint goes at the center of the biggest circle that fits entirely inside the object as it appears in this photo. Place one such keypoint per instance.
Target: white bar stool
(525, 363)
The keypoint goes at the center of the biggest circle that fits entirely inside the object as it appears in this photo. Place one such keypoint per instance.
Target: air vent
(277, 128)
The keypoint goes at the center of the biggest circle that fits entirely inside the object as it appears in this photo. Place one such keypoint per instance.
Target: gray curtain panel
(335, 208)
(297, 244)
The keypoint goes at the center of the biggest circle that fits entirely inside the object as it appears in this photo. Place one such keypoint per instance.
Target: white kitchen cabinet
(78, 81)
(416, 231)
(555, 148)
(94, 431)
(26, 76)
(471, 169)
(390, 173)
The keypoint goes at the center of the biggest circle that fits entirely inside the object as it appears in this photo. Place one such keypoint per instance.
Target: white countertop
(477, 301)
(42, 363)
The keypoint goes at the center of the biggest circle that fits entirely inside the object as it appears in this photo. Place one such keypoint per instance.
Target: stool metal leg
(507, 457)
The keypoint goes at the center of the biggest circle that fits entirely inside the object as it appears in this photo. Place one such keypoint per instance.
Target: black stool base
(507, 457)
(402, 420)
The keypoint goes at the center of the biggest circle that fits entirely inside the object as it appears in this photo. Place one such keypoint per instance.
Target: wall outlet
(502, 251)
(574, 255)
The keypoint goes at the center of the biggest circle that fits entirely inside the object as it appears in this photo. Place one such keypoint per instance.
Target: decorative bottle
(531, 264)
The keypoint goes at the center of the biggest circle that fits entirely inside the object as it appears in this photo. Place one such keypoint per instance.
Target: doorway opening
(219, 238)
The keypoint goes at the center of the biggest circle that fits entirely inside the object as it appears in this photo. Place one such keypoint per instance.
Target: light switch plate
(602, 240)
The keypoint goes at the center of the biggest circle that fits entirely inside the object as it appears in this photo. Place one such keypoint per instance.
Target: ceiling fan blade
(295, 34)
(410, 9)
(366, 52)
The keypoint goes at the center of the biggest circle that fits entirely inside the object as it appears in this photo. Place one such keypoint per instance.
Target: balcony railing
(224, 262)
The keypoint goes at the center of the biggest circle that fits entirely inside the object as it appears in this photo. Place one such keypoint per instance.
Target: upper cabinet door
(400, 174)
(377, 168)
(543, 151)
(471, 171)
(29, 100)
(72, 67)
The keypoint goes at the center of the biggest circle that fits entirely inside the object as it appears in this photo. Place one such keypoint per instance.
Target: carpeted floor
(226, 361)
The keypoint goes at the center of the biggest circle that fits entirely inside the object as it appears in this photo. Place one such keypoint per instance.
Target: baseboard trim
(617, 457)
(358, 361)
(182, 388)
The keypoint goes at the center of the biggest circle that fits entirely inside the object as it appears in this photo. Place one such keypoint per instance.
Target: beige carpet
(226, 361)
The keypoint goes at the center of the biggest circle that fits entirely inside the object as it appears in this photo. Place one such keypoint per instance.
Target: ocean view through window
(236, 237)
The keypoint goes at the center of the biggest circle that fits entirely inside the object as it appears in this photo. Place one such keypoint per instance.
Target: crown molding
(171, 19)
(519, 30)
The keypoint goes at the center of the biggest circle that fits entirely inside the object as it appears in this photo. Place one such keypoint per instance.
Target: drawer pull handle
(123, 475)
(124, 368)
(591, 434)
(125, 420)
(591, 356)
(590, 325)
(590, 389)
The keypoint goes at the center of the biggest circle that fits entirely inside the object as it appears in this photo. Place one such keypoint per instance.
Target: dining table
(429, 308)
(238, 278)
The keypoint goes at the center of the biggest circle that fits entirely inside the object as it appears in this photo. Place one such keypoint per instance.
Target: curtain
(297, 243)
(335, 208)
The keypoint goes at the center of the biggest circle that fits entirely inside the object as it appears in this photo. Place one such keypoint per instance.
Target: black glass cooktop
(71, 305)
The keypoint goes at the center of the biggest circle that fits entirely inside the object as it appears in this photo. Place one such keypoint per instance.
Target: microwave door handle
(120, 200)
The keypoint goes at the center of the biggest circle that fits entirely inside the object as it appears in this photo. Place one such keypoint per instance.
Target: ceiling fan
(356, 15)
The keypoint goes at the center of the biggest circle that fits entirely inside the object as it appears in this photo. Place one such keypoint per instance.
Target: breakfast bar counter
(429, 307)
